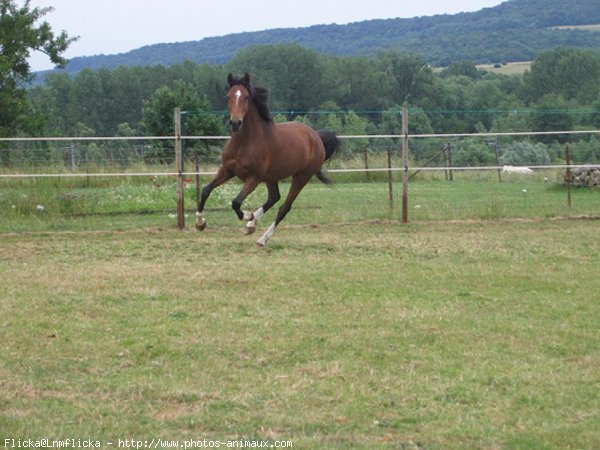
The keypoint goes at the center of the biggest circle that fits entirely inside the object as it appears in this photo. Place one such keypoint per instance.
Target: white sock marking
(268, 234)
(200, 220)
(257, 215)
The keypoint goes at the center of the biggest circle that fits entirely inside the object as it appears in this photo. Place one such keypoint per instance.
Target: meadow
(511, 68)
(473, 326)
(119, 203)
(369, 335)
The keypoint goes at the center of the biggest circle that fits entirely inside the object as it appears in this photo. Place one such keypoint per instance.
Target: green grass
(124, 203)
(429, 335)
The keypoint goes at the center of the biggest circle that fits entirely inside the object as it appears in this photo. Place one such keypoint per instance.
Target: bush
(586, 152)
(525, 154)
(473, 154)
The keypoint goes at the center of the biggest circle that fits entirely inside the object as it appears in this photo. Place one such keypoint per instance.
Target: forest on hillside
(516, 30)
(351, 95)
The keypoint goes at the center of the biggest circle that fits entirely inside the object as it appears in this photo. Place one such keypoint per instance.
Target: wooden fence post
(497, 151)
(449, 161)
(73, 164)
(179, 168)
(405, 163)
(390, 179)
(568, 175)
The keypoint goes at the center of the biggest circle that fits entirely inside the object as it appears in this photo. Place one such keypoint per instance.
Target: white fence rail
(349, 137)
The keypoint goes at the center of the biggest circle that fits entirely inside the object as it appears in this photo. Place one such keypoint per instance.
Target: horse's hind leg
(222, 177)
(273, 197)
(298, 182)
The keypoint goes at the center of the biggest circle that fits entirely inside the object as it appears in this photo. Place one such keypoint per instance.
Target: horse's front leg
(273, 197)
(249, 185)
(221, 177)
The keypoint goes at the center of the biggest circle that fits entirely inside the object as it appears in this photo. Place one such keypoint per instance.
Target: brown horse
(261, 151)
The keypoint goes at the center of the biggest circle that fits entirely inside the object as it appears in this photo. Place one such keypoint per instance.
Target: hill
(516, 30)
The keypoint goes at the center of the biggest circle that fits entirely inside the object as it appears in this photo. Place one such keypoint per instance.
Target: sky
(117, 26)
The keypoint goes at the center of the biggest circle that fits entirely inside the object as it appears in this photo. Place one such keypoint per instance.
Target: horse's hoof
(201, 225)
(262, 242)
(249, 230)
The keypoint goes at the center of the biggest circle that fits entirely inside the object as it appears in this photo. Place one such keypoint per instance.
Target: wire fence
(25, 157)
(146, 164)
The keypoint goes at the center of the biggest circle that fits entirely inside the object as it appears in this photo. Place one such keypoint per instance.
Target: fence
(402, 143)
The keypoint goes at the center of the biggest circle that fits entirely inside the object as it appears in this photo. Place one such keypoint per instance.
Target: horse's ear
(230, 80)
(246, 80)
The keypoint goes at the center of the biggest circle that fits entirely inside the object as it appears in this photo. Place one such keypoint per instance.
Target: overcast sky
(116, 26)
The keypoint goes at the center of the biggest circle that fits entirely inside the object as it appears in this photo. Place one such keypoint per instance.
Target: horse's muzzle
(236, 125)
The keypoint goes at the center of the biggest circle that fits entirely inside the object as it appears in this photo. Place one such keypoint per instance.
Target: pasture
(121, 203)
(476, 330)
(511, 68)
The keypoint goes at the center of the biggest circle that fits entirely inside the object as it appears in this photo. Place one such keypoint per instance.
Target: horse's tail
(330, 141)
(332, 144)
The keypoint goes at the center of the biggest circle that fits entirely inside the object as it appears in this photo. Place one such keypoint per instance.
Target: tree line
(349, 94)
(560, 85)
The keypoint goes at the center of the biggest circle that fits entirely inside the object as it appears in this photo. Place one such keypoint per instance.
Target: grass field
(50, 204)
(447, 335)
(474, 326)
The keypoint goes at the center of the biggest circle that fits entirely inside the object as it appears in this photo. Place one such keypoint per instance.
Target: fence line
(179, 172)
(420, 136)
(512, 133)
(96, 175)
(210, 173)
(350, 136)
(87, 138)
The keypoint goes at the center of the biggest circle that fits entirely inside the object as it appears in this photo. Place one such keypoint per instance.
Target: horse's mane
(259, 96)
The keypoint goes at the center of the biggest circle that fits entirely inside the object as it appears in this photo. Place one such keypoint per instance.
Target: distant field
(511, 68)
(370, 335)
(595, 27)
(517, 68)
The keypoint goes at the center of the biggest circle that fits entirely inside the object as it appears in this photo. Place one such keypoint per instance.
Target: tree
(403, 77)
(568, 72)
(464, 68)
(552, 114)
(19, 35)
(158, 117)
(293, 74)
(353, 83)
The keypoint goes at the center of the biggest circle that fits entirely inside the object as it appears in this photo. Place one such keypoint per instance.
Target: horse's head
(239, 100)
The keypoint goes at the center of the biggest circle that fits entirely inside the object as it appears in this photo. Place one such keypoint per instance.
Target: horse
(262, 151)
